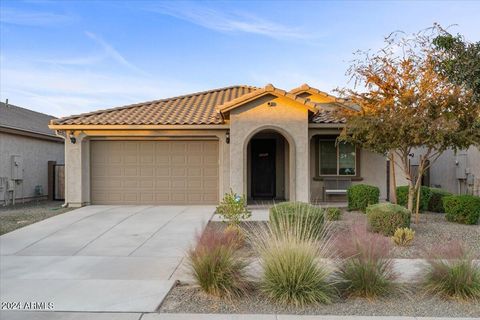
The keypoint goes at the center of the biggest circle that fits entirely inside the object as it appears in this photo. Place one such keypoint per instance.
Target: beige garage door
(154, 172)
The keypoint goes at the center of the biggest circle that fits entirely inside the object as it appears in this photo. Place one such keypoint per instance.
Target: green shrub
(462, 209)
(366, 269)
(452, 273)
(233, 208)
(436, 200)
(360, 196)
(403, 237)
(309, 219)
(385, 218)
(216, 264)
(333, 214)
(425, 194)
(292, 272)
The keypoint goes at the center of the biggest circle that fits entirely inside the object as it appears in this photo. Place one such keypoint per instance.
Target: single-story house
(266, 143)
(27, 146)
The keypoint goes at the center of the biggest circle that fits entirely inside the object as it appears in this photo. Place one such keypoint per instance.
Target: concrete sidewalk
(10, 315)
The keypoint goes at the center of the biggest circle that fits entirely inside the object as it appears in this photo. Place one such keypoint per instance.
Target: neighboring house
(263, 142)
(26, 147)
(458, 173)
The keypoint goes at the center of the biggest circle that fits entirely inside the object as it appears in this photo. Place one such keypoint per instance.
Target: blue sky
(68, 57)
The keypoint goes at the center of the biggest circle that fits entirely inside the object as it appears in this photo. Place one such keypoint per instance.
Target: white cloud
(67, 90)
(34, 18)
(228, 21)
(111, 52)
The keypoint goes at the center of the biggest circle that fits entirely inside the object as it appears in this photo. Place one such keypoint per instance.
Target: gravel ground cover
(431, 231)
(21, 215)
(190, 299)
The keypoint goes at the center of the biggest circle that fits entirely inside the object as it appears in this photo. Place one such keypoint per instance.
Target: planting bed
(409, 300)
(190, 299)
(431, 231)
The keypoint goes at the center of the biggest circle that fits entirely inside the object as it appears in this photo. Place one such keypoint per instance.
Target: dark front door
(263, 168)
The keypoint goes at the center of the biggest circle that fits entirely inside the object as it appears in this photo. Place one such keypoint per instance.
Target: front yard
(21, 215)
(407, 299)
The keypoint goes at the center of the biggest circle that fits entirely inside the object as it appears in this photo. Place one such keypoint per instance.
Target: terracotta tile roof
(196, 108)
(199, 108)
(268, 89)
(306, 88)
(327, 116)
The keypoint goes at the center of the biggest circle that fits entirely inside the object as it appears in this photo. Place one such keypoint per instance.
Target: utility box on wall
(17, 167)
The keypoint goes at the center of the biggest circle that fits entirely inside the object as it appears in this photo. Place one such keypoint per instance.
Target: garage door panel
(147, 171)
(180, 159)
(154, 172)
(180, 171)
(210, 171)
(178, 147)
(114, 171)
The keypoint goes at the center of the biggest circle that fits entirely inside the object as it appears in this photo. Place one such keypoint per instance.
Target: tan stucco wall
(35, 154)
(286, 117)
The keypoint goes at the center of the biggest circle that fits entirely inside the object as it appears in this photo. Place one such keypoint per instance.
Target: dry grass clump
(292, 272)
(217, 265)
(367, 270)
(451, 272)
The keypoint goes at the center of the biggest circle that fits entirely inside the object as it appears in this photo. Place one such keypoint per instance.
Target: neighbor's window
(339, 160)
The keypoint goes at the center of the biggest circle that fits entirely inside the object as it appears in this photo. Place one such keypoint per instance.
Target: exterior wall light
(73, 140)
(227, 137)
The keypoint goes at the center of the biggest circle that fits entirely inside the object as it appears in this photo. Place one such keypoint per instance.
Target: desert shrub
(291, 272)
(403, 237)
(216, 264)
(360, 196)
(436, 200)
(309, 219)
(233, 208)
(425, 194)
(462, 209)
(366, 269)
(385, 218)
(333, 214)
(452, 272)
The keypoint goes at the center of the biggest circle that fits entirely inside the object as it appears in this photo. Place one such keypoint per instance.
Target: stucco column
(237, 161)
(224, 164)
(302, 164)
(77, 171)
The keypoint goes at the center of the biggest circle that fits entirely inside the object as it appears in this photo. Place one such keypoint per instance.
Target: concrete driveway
(99, 258)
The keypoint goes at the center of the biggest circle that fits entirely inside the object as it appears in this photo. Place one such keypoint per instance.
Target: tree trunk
(393, 181)
(411, 196)
(417, 207)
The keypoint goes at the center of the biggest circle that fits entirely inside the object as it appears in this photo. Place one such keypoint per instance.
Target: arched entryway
(268, 166)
